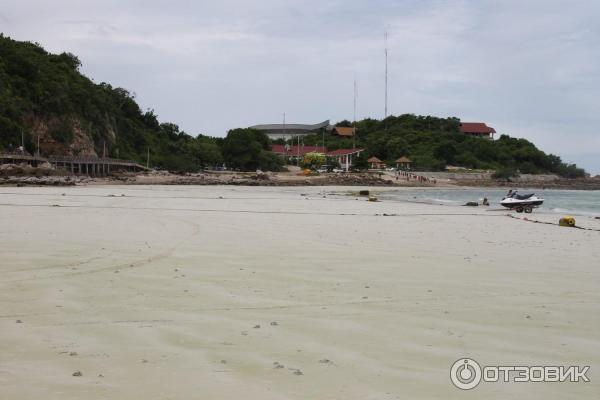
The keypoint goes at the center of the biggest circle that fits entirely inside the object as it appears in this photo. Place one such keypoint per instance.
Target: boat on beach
(521, 203)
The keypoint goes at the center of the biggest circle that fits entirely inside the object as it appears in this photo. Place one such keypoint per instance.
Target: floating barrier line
(551, 223)
(250, 211)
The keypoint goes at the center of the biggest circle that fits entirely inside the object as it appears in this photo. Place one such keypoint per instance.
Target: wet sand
(265, 293)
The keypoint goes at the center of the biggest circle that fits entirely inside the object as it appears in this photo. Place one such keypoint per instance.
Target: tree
(205, 151)
(360, 162)
(445, 151)
(248, 150)
(313, 160)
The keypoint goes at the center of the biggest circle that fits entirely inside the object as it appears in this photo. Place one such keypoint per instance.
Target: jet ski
(521, 202)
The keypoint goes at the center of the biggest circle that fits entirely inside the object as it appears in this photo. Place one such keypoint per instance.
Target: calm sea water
(577, 202)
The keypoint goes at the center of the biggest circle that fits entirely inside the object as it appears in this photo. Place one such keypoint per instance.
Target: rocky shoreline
(562, 183)
(29, 176)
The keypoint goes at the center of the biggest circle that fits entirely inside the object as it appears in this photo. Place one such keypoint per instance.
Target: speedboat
(521, 202)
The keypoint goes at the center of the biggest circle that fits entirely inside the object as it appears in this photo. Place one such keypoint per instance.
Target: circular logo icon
(465, 373)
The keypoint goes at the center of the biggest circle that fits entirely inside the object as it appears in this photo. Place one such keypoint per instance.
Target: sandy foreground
(265, 293)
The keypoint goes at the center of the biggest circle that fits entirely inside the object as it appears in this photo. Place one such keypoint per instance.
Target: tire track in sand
(128, 265)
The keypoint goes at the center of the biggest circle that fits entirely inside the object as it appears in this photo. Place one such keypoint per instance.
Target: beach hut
(376, 163)
(403, 163)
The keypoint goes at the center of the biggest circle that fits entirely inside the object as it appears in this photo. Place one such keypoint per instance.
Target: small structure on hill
(403, 163)
(343, 131)
(376, 163)
(477, 129)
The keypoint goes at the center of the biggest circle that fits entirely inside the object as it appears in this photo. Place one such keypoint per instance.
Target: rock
(77, 373)
(19, 321)
(256, 326)
(364, 192)
(274, 323)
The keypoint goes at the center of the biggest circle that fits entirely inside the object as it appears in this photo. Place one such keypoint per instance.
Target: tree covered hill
(45, 97)
(434, 143)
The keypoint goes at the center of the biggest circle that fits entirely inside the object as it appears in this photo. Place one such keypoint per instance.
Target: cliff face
(77, 140)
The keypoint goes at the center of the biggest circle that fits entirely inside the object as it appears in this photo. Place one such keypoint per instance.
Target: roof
(374, 160)
(344, 131)
(476, 127)
(403, 160)
(293, 150)
(343, 152)
(299, 127)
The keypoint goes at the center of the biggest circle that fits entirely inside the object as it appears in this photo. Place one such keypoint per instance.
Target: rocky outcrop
(78, 139)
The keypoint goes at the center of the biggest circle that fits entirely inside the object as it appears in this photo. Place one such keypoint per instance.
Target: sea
(575, 202)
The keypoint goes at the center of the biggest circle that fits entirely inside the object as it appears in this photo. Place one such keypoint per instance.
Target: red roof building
(478, 129)
(344, 157)
(295, 151)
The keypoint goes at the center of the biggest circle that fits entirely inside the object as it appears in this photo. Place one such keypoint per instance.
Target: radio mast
(354, 120)
(385, 39)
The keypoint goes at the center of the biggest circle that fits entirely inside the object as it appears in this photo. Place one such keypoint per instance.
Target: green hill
(44, 96)
(434, 143)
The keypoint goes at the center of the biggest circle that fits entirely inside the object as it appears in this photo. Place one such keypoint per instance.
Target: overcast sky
(528, 68)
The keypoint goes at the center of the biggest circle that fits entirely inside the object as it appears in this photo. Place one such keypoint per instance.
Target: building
(403, 163)
(477, 129)
(290, 131)
(294, 150)
(344, 157)
(376, 163)
(342, 131)
(294, 153)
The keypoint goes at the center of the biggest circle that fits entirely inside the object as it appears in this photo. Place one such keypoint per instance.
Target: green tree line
(434, 143)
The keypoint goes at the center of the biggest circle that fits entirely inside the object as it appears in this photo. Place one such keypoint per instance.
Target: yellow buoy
(567, 221)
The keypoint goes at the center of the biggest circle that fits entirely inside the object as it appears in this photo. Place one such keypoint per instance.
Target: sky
(529, 69)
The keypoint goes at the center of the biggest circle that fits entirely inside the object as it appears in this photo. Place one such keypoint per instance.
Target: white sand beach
(186, 292)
